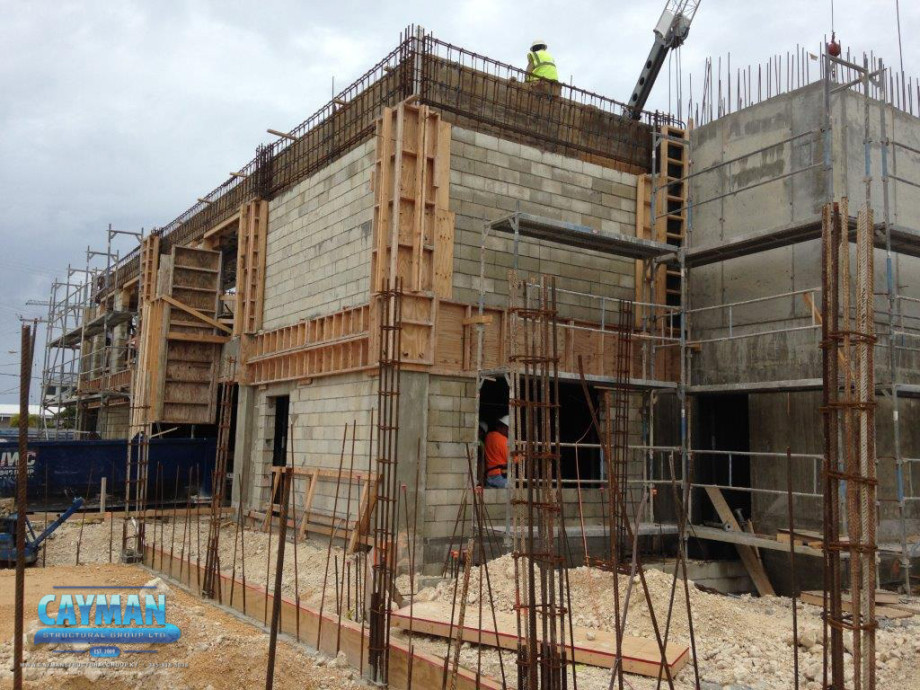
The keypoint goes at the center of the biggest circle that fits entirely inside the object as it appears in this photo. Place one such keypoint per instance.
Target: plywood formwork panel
(335, 635)
(413, 226)
(331, 344)
(596, 648)
(179, 340)
(250, 274)
(149, 264)
(671, 209)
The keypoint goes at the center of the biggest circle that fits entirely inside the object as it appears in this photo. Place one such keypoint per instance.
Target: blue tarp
(64, 469)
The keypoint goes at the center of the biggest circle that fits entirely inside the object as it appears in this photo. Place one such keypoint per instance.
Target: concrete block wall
(452, 423)
(492, 177)
(113, 421)
(319, 412)
(319, 242)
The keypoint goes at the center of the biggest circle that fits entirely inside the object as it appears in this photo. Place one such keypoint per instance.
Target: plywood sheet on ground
(887, 605)
(640, 656)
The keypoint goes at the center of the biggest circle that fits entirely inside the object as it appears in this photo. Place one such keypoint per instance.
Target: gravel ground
(742, 641)
(252, 553)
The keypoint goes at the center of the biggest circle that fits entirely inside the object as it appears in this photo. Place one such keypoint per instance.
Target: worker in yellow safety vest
(540, 64)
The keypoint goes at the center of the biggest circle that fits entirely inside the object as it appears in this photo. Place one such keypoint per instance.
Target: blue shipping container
(64, 469)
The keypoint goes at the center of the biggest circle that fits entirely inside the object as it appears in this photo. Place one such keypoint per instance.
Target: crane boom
(670, 32)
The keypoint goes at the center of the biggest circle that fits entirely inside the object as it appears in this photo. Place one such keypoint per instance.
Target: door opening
(724, 426)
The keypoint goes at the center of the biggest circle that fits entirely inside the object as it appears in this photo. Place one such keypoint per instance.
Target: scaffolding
(89, 351)
(61, 367)
(668, 321)
(854, 323)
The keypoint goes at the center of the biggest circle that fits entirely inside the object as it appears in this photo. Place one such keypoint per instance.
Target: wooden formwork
(333, 344)
(335, 635)
(250, 267)
(413, 224)
(671, 210)
(149, 264)
(351, 528)
(179, 342)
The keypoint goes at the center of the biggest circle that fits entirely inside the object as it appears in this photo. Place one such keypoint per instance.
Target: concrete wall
(782, 186)
(794, 420)
(784, 189)
(723, 164)
(491, 178)
(319, 242)
(786, 183)
(849, 121)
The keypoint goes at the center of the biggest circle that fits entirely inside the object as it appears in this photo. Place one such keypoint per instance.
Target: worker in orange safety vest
(496, 452)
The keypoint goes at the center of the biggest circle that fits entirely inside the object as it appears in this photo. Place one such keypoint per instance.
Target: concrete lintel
(580, 236)
(758, 386)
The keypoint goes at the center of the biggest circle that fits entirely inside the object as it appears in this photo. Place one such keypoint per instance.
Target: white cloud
(125, 112)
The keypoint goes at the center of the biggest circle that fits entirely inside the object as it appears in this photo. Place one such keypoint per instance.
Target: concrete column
(243, 440)
(413, 437)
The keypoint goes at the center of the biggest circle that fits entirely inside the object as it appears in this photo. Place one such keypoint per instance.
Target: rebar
(351, 481)
(388, 397)
(636, 557)
(133, 536)
(89, 485)
(211, 587)
(850, 411)
(792, 574)
(26, 351)
(287, 474)
(542, 611)
(332, 535)
(832, 673)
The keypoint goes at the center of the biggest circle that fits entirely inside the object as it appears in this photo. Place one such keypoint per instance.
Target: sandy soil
(217, 650)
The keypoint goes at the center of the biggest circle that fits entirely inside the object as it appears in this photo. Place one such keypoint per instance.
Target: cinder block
(498, 158)
(461, 135)
(532, 154)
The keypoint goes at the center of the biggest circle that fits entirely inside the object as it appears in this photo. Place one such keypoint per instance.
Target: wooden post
(102, 496)
(747, 554)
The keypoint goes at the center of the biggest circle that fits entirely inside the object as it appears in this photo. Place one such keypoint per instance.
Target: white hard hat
(537, 42)
(503, 420)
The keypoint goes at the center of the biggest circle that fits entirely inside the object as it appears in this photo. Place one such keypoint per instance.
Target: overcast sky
(125, 112)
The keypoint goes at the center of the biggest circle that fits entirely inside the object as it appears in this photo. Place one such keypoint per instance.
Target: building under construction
(705, 333)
